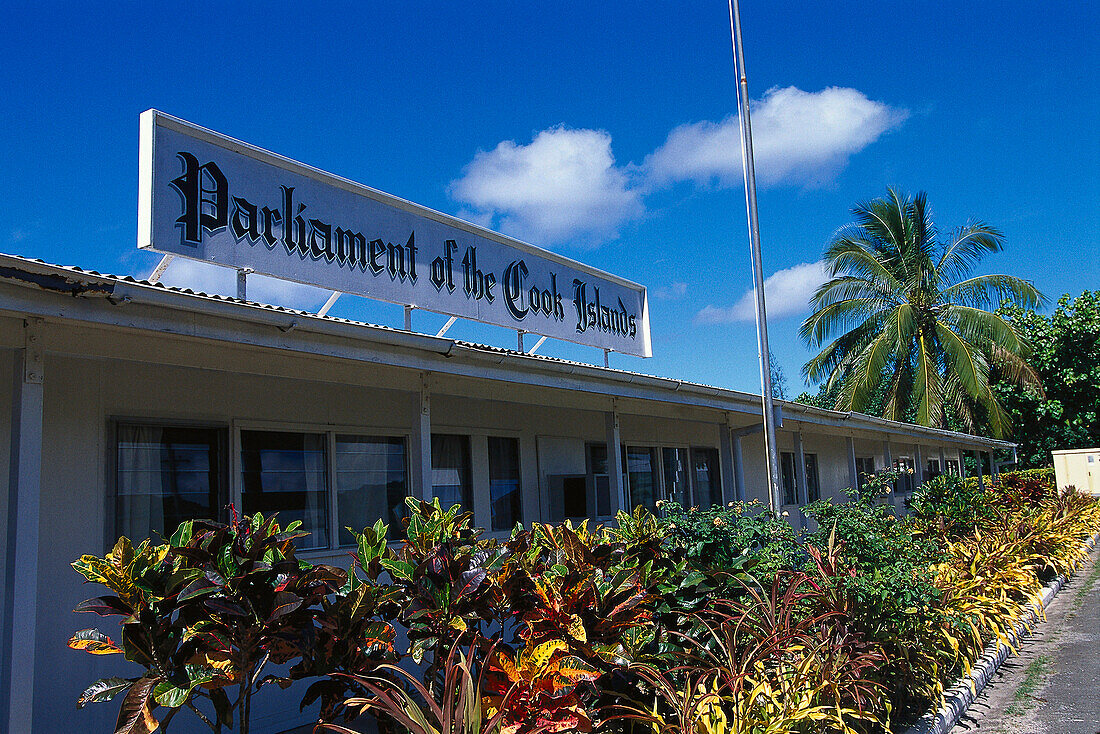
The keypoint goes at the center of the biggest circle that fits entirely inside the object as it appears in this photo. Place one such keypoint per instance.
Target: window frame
(861, 475)
(479, 470)
(717, 455)
(223, 450)
(794, 477)
(330, 431)
(658, 451)
(806, 459)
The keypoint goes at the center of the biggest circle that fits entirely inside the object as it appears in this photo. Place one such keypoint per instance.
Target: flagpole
(775, 501)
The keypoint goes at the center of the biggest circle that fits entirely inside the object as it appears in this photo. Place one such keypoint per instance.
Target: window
(677, 487)
(813, 483)
(932, 470)
(451, 481)
(504, 482)
(371, 482)
(641, 472)
(905, 474)
(787, 478)
(707, 485)
(165, 475)
(286, 473)
(952, 466)
(600, 476)
(865, 469)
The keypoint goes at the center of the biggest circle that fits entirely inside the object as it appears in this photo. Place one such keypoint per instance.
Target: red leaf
(104, 606)
(134, 717)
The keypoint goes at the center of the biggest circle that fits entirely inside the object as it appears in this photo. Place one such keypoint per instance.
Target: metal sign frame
(212, 198)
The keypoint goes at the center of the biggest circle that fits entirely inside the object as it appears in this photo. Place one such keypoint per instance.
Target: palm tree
(905, 325)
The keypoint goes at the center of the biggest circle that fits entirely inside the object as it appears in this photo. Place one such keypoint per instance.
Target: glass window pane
(641, 471)
(599, 468)
(786, 466)
(451, 471)
(708, 485)
(504, 482)
(371, 482)
(165, 475)
(865, 469)
(676, 475)
(285, 473)
(813, 484)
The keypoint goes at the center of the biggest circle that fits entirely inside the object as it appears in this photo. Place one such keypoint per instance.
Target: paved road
(1053, 685)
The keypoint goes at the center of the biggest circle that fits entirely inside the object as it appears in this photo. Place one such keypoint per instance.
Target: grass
(1086, 586)
(1024, 697)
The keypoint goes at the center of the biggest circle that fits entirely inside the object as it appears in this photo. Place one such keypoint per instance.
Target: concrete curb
(958, 697)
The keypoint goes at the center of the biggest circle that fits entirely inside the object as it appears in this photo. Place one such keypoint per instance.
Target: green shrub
(951, 505)
(721, 536)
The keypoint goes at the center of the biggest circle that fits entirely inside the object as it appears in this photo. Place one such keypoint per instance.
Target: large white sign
(209, 197)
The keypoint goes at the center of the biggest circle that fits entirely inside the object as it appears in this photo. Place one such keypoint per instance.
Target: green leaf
(399, 569)
(183, 534)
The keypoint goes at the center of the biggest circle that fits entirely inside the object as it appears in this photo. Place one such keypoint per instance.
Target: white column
(800, 475)
(943, 461)
(918, 467)
(730, 487)
(24, 491)
(981, 470)
(853, 473)
(888, 465)
(962, 463)
(422, 469)
(619, 500)
(739, 469)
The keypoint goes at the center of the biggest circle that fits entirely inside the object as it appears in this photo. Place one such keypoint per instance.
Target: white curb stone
(959, 697)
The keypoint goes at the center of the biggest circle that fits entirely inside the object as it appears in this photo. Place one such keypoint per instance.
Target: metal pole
(772, 458)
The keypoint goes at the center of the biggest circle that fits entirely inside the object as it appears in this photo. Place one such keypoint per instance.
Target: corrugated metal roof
(865, 422)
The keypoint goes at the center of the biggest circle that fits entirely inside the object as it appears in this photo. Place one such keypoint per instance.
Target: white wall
(241, 387)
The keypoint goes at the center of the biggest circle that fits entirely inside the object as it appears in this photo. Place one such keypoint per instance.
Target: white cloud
(670, 292)
(786, 293)
(219, 280)
(798, 137)
(562, 186)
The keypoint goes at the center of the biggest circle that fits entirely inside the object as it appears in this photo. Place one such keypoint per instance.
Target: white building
(1078, 468)
(133, 404)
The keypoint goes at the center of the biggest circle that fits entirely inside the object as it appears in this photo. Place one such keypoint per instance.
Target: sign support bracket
(328, 304)
(158, 271)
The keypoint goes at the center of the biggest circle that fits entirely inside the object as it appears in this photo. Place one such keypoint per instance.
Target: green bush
(735, 619)
(721, 536)
(951, 504)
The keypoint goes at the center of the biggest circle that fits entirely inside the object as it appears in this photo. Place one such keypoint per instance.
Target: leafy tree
(1066, 356)
(779, 378)
(899, 313)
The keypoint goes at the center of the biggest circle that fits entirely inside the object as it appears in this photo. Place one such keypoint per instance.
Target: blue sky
(600, 130)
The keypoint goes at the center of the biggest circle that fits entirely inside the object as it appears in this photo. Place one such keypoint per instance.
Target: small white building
(1078, 468)
(134, 405)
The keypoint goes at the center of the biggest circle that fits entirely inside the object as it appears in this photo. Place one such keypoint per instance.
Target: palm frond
(971, 243)
(839, 316)
(989, 291)
(927, 389)
(983, 328)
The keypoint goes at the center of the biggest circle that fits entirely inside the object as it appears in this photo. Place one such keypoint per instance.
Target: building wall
(151, 376)
(1080, 469)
